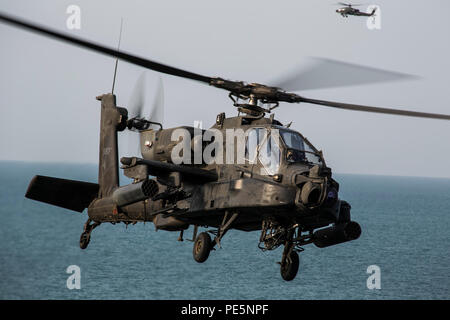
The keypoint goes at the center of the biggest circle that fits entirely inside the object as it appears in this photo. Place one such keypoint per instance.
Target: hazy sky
(48, 89)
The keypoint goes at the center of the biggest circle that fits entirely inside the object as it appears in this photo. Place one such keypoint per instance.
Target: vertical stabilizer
(113, 119)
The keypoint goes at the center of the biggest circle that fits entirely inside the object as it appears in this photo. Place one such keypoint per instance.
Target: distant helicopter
(294, 203)
(348, 10)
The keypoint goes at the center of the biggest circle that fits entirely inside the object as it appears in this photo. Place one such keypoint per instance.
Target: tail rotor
(139, 107)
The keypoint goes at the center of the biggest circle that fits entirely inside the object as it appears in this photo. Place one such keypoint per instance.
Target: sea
(404, 249)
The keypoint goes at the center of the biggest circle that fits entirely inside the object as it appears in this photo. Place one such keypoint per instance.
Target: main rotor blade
(357, 107)
(149, 64)
(349, 4)
(326, 73)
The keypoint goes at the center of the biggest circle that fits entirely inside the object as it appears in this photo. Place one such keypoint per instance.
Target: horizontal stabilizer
(68, 194)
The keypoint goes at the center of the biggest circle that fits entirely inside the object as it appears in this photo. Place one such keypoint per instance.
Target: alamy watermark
(256, 145)
(374, 280)
(74, 280)
(374, 22)
(73, 21)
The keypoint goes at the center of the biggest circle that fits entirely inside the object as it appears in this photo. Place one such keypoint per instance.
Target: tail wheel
(289, 268)
(84, 240)
(202, 247)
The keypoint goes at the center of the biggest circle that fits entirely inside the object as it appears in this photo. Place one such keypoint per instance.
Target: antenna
(117, 59)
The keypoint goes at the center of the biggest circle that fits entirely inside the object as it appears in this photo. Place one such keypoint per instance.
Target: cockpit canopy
(275, 145)
(299, 149)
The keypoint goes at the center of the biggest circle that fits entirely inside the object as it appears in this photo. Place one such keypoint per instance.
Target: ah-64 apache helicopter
(293, 206)
(349, 10)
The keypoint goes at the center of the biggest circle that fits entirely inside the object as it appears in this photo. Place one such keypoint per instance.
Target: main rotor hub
(254, 95)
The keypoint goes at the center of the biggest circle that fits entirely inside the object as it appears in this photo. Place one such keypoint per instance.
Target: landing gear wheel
(289, 268)
(84, 239)
(86, 235)
(202, 247)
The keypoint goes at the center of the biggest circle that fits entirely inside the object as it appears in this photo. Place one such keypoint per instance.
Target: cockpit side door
(262, 151)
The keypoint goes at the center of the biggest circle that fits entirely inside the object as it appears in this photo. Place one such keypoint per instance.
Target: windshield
(299, 148)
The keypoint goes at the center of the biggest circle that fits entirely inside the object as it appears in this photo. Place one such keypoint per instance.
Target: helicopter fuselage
(350, 11)
(296, 191)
